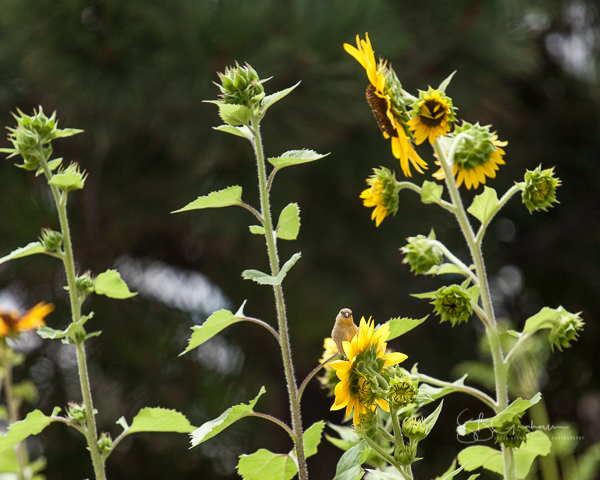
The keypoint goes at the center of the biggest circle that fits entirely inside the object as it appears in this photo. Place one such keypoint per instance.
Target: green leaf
(31, 249)
(312, 438)
(229, 416)
(275, 97)
(264, 279)
(33, 424)
(451, 472)
(160, 420)
(218, 321)
(295, 157)
(223, 198)
(588, 463)
(518, 407)
(445, 83)
(445, 268)
(473, 293)
(52, 334)
(242, 131)
(485, 205)
(112, 285)
(233, 114)
(428, 393)
(431, 192)
(348, 468)
(543, 319)
(423, 295)
(385, 475)
(266, 465)
(431, 419)
(257, 230)
(400, 326)
(69, 179)
(65, 132)
(288, 225)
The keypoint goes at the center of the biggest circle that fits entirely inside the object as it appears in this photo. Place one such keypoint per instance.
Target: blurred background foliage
(133, 74)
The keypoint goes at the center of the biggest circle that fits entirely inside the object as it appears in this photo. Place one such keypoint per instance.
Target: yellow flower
(432, 115)
(353, 389)
(382, 194)
(330, 348)
(383, 96)
(476, 157)
(11, 322)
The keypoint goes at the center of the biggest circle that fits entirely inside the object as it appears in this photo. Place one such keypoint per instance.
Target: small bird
(344, 329)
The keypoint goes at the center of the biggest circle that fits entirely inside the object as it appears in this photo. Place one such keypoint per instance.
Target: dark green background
(133, 75)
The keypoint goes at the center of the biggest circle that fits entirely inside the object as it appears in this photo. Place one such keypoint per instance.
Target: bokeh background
(134, 74)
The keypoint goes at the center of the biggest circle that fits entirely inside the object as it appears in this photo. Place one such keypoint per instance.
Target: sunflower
(354, 390)
(12, 323)
(384, 98)
(328, 380)
(432, 115)
(381, 194)
(476, 157)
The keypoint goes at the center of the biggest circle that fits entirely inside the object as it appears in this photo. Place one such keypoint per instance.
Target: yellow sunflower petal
(395, 358)
(383, 404)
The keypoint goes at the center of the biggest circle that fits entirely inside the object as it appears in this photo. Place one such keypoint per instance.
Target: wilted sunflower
(384, 98)
(432, 115)
(12, 323)
(353, 390)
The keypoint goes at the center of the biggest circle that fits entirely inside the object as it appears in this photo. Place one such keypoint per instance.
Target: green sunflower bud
(105, 443)
(85, 283)
(405, 455)
(476, 149)
(421, 253)
(368, 424)
(401, 391)
(512, 434)
(76, 413)
(241, 86)
(414, 428)
(565, 329)
(539, 189)
(51, 240)
(70, 178)
(452, 303)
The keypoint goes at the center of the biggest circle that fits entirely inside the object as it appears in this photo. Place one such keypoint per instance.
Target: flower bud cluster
(539, 189)
(241, 86)
(401, 391)
(512, 433)
(105, 443)
(51, 240)
(421, 253)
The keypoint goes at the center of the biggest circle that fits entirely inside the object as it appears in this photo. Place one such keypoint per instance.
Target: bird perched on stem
(344, 329)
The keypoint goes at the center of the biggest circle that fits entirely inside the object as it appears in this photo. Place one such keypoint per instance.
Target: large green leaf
(218, 321)
(275, 97)
(242, 131)
(111, 284)
(295, 157)
(223, 198)
(399, 326)
(349, 466)
(431, 419)
(265, 279)
(431, 192)
(485, 205)
(543, 319)
(50, 333)
(33, 424)
(229, 416)
(518, 407)
(312, 438)
(233, 114)
(160, 420)
(266, 465)
(31, 249)
(288, 225)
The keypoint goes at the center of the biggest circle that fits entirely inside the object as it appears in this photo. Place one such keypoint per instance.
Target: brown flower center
(432, 113)
(379, 108)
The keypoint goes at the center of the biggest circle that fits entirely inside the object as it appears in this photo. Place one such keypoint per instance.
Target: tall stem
(91, 433)
(500, 368)
(286, 351)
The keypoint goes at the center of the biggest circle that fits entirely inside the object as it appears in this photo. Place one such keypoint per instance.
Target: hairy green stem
(468, 390)
(91, 433)
(386, 456)
(500, 368)
(286, 351)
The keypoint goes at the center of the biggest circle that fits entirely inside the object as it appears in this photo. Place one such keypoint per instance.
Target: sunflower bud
(368, 424)
(382, 194)
(414, 428)
(70, 178)
(539, 189)
(401, 391)
(421, 253)
(51, 240)
(565, 329)
(85, 283)
(405, 455)
(512, 434)
(452, 303)
(76, 413)
(241, 86)
(105, 443)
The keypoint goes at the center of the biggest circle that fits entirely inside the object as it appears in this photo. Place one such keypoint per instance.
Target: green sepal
(160, 420)
(431, 419)
(485, 205)
(52, 334)
(288, 225)
(228, 417)
(446, 82)
(401, 325)
(33, 424)
(232, 114)
(431, 192)
(31, 249)
(266, 465)
(264, 279)
(242, 131)
(223, 198)
(295, 157)
(111, 284)
(349, 466)
(218, 321)
(275, 97)
(424, 295)
(71, 178)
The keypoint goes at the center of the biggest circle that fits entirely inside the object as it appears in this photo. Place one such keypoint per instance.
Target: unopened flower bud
(565, 329)
(401, 391)
(405, 455)
(414, 428)
(421, 253)
(241, 86)
(51, 240)
(105, 443)
(85, 283)
(452, 303)
(512, 433)
(539, 189)
(76, 413)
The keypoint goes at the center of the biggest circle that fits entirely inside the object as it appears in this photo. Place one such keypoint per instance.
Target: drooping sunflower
(381, 194)
(477, 156)
(12, 323)
(432, 115)
(353, 391)
(389, 108)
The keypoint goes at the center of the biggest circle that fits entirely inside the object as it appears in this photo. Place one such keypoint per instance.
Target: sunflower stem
(505, 198)
(383, 454)
(491, 327)
(91, 433)
(284, 342)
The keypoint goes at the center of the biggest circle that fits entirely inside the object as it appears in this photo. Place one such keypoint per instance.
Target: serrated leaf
(52, 334)
(431, 192)
(242, 131)
(266, 465)
(518, 407)
(233, 114)
(295, 157)
(431, 419)
(160, 420)
(399, 326)
(257, 230)
(111, 284)
(33, 424)
(446, 82)
(218, 321)
(428, 393)
(223, 198)
(275, 97)
(312, 438)
(69, 179)
(473, 293)
(229, 416)
(63, 133)
(264, 279)
(543, 319)
(31, 249)
(349, 466)
(485, 205)
(288, 225)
